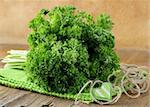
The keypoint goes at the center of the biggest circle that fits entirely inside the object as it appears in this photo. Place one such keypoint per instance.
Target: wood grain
(130, 18)
(10, 97)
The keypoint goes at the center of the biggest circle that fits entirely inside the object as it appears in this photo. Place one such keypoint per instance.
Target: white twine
(136, 76)
(132, 75)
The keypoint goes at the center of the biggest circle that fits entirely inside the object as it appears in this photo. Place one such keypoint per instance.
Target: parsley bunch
(67, 48)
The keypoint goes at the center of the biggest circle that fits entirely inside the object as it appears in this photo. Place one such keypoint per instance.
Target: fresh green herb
(68, 48)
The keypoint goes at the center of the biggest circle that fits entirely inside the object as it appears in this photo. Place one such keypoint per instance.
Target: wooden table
(10, 97)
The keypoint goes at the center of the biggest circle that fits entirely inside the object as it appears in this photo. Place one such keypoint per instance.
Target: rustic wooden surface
(10, 97)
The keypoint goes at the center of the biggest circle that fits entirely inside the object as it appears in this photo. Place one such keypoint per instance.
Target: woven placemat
(17, 79)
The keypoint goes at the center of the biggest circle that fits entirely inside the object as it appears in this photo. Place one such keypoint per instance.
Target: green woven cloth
(17, 79)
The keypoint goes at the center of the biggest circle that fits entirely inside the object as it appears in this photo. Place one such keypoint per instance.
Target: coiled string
(138, 76)
(133, 80)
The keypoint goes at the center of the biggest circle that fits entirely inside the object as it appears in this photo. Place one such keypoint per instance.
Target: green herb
(68, 48)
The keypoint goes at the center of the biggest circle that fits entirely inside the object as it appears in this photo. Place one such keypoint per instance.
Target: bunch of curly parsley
(68, 48)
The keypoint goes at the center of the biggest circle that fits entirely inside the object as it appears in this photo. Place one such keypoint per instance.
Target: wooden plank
(31, 100)
(59, 102)
(11, 95)
(2, 89)
(3, 92)
(22, 101)
(41, 101)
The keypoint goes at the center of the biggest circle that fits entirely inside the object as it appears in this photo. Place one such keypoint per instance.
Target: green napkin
(17, 79)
